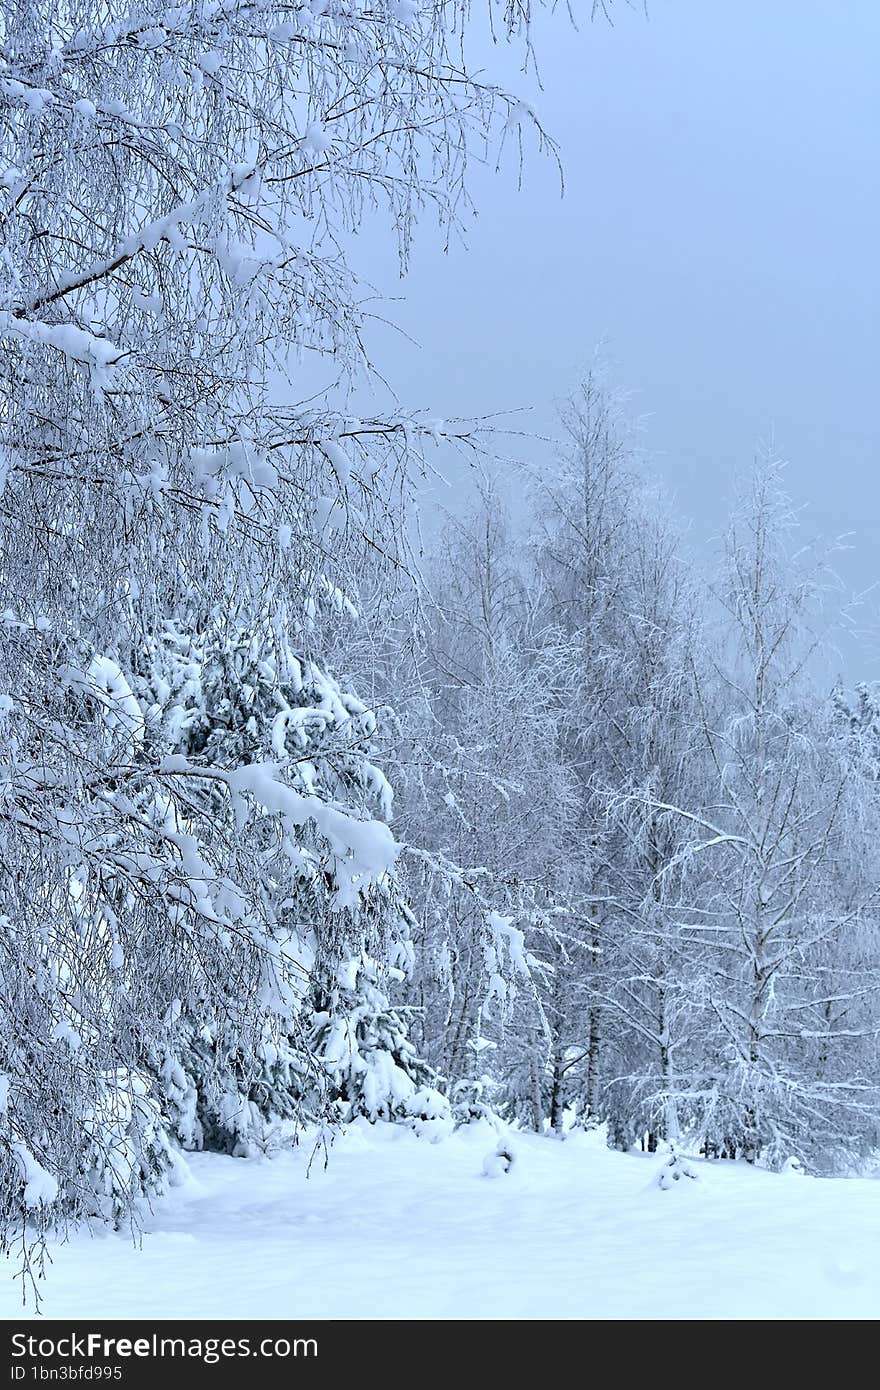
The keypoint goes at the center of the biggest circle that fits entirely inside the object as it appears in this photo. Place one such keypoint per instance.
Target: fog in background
(718, 235)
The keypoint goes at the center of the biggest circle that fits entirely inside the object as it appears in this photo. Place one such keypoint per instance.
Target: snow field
(394, 1227)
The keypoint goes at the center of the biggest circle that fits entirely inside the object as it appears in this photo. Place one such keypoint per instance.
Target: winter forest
(535, 830)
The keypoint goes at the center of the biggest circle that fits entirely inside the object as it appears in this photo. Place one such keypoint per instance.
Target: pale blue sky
(720, 233)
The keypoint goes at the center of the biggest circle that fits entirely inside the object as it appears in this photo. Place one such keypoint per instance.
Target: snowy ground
(397, 1227)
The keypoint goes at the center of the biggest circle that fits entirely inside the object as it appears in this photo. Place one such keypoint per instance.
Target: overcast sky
(720, 234)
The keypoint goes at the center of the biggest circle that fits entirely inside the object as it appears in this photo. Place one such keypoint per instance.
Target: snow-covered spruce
(322, 1034)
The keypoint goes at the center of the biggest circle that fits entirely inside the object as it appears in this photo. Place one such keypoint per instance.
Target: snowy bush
(472, 1101)
(373, 1068)
(129, 1153)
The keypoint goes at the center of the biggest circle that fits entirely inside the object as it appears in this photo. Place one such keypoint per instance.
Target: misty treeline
(288, 835)
(656, 780)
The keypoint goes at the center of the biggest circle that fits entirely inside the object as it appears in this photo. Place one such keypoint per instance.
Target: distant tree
(484, 793)
(787, 835)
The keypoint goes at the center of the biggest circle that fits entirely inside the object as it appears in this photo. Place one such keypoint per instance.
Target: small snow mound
(793, 1166)
(674, 1170)
(500, 1160)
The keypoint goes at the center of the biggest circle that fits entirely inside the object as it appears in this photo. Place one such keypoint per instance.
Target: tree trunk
(557, 1106)
(594, 1039)
(535, 1079)
(593, 1046)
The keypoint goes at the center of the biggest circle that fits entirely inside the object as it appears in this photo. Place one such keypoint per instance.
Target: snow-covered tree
(787, 828)
(655, 763)
(482, 789)
(177, 187)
